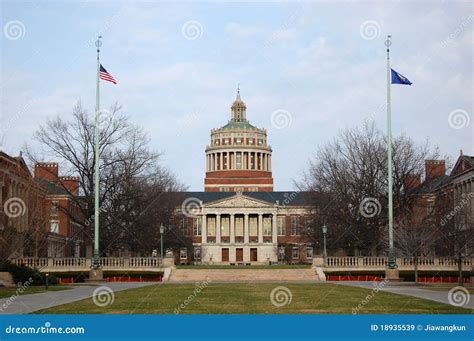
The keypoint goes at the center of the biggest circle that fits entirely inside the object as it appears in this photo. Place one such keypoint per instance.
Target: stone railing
(380, 263)
(85, 264)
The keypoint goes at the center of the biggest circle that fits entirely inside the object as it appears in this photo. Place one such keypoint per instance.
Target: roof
(232, 125)
(431, 185)
(51, 187)
(289, 198)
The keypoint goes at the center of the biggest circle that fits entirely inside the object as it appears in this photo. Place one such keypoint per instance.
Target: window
(54, 208)
(309, 252)
(267, 226)
(295, 252)
(307, 223)
(238, 160)
(54, 227)
(183, 228)
(197, 225)
(294, 225)
(281, 226)
(225, 226)
(239, 226)
(197, 254)
(281, 253)
(211, 226)
(430, 207)
(183, 253)
(253, 226)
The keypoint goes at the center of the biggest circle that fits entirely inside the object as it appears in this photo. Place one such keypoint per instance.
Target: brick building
(39, 213)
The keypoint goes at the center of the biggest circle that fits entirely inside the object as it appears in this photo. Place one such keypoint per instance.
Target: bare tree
(351, 173)
(455, 225)
(127, 168)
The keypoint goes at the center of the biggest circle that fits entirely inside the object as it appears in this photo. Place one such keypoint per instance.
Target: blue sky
(321, 63)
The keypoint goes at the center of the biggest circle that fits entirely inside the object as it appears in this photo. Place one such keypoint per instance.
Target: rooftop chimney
(412, 181)
(70, 183)
(434, 168)
(47, 171)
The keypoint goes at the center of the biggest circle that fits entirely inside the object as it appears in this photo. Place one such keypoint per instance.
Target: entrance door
(225, 255)
(239, 255)
(253, 254)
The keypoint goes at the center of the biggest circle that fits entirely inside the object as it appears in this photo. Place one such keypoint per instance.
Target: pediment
(238, 201)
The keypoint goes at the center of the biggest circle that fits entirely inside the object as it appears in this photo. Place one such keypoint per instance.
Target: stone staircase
(245, 275)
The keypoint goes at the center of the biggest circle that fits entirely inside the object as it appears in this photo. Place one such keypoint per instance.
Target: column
(227, 159)
(274, 229)
(260, 228)
(269, 162)
(232, 229)
(246, 228)
(221, 161)
(260, 161)
(218, 228)
(244, 160)
(204, 229)
(234, 161)
(265, 161)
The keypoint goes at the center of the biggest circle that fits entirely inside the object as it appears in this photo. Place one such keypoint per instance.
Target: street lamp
(162, 230)
(325, 231)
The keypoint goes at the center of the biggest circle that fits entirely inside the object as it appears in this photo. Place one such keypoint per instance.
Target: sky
(307, 70)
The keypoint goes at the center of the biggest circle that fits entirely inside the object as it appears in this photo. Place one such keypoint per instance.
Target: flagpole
(392, 262)
(96, 264)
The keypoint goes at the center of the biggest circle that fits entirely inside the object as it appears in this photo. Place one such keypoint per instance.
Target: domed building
(238, 158)
(239, 219)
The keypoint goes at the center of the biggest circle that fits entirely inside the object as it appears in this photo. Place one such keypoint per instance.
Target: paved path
(404, 289)
(25, 304)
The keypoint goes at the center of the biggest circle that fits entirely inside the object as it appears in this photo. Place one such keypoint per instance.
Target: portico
(238, 230)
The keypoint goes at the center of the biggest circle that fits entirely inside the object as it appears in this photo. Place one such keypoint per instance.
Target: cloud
(241, 31)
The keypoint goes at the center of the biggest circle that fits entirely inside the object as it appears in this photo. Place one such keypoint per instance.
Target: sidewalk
(25, 304)
(432, 295)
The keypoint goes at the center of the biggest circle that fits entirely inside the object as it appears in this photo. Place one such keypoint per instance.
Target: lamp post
(325, 231)
(162, 230)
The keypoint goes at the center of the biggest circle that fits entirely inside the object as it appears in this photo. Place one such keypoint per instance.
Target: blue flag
(399, 79)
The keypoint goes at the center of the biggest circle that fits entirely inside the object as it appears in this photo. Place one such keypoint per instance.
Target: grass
(242, 267)
(255, 299)
(8, 292)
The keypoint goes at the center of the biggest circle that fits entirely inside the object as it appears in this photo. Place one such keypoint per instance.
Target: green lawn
(8, 292)
(255, 299)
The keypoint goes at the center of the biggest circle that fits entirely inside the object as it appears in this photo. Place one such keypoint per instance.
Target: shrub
(23, 274)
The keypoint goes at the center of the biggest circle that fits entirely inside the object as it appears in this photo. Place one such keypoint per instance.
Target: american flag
(103, 74)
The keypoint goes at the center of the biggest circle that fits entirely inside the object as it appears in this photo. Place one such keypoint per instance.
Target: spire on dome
(239, 109)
